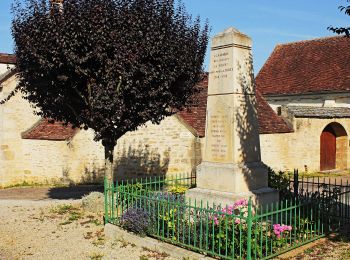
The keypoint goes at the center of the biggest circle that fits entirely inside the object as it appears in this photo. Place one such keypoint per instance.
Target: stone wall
(301, 149)
(168, 148)
(15, 117)
(152, 150)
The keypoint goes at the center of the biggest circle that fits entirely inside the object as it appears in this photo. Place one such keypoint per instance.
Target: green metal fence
(239, 231)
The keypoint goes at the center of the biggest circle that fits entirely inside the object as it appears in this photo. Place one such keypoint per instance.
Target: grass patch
(100, 241)
(330, 174)
(154, 254)
(25, 184)
(62, 209)
(125, 243)
(96, 256)
(345, 254)
(69, 212)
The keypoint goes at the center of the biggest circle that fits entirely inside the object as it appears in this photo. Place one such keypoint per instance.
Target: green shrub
(280, 181)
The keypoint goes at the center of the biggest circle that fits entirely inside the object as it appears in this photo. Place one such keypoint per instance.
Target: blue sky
(268, 22)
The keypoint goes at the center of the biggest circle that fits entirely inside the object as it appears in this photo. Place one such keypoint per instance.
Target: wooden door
(328, 149)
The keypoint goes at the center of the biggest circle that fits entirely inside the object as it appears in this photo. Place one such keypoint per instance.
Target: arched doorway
(333, 150)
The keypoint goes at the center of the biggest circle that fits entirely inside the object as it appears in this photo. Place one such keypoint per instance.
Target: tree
(342, 30)
(108, 65)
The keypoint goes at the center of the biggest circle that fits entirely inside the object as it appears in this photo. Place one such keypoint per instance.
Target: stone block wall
(301, 149)
(15, 117)
(152, 150)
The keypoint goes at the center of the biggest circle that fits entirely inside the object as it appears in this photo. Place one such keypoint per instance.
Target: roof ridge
(311, 40)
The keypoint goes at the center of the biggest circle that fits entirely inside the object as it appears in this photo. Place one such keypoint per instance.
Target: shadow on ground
(43, 193)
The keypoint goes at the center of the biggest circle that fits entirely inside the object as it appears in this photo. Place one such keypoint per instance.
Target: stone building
(307, 83)
(303, 97)
(35, 150)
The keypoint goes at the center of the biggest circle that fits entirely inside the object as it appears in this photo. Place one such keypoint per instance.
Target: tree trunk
(109, 149)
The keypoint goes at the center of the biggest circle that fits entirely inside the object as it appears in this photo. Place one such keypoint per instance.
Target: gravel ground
(52, 229)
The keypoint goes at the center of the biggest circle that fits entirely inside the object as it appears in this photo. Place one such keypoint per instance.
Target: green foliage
(108, 65)
(342, 30)
(63, 209)
(166, 208)
(279, 181)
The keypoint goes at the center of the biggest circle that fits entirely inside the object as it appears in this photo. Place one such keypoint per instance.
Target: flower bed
(158, 208)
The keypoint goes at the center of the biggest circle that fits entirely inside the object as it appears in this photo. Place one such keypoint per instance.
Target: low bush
(135, 220)
(93, 202)
(280, 181)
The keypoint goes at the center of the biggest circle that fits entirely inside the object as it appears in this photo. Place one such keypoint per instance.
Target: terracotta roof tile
(269, 121)
(318, 65)
(44, 130)
(7, 58)
(196, 116)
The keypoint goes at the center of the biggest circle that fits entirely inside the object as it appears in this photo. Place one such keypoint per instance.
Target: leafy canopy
(108, 65)
(342, 30)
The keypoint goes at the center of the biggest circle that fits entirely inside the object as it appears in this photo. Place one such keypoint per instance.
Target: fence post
(296, 183)
(249, 231)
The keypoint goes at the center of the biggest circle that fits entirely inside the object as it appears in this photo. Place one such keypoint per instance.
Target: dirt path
(52, 229)
(42, 193)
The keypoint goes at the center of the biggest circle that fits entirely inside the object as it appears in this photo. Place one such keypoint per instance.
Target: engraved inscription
(218, 135)
(221, 64)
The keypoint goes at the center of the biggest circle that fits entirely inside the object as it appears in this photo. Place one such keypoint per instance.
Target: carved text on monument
(218, 132)
(221, 64)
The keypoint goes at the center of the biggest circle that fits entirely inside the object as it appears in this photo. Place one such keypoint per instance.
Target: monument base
(232, 177)
(259, 197)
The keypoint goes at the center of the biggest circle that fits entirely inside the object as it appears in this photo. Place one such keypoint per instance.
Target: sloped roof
(269, 121)
(319, 112)
(44, 130)
(196, 116)
(319, 65)
(8, 74)
(7, 58)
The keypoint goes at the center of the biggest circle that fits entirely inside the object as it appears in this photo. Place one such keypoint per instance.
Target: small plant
(96, 256)
(100, 241)
(125, 243)
(136, 220)
(93, 202)
(154, 254)
(281, 233)
(177, 190)
(62, 209)
(165, 209)
(279, 181)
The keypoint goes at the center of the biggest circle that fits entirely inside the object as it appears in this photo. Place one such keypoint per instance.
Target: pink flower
(237, 221)
(240, 203)
(278, 229)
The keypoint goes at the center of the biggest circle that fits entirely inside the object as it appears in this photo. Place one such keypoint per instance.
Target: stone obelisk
(231, 168)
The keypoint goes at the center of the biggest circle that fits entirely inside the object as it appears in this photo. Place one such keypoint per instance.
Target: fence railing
(157, 207)
(332, 194)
